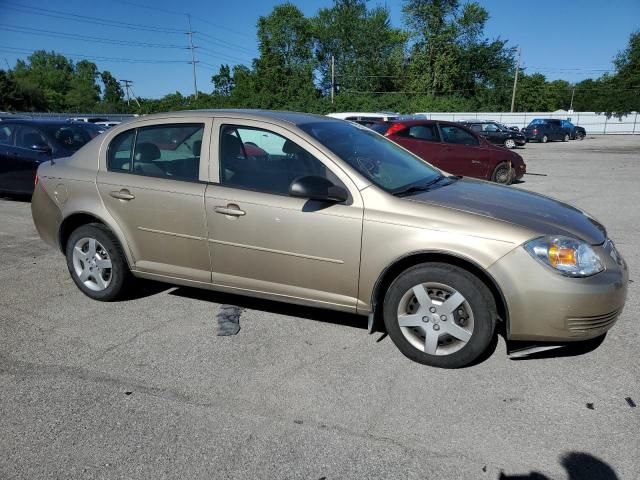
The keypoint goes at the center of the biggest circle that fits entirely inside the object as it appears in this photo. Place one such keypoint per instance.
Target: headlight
(566, 255)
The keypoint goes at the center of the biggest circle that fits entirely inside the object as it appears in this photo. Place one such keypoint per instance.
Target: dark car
(575, 132)
(545, 130)
(25, 144)
(496, 133)
(455, 149)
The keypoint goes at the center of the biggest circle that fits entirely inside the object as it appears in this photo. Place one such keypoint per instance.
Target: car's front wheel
(579, 136)
(503, 174)
(545, 139)
(96, 262)
(510, 143)
(440, 315)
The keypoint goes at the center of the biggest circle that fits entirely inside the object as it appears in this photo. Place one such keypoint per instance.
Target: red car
(455, 149)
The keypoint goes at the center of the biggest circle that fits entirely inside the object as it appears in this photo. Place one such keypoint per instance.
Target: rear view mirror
(317, 188)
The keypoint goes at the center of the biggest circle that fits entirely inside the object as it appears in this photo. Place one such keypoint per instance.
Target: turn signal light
(563, 256)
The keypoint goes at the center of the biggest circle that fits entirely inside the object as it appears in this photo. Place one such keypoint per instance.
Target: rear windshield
(71, 137)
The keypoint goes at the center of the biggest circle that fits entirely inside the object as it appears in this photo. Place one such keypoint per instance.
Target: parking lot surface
(145, 389)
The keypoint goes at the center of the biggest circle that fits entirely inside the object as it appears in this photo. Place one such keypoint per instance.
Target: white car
(365, 118)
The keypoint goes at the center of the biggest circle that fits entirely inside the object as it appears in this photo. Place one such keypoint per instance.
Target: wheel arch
(77, 219)
(407, 261)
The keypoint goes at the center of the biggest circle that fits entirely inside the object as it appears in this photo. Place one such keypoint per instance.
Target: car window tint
(490, 127)
(263, 161)
(168, 151)
(452, 134)
(119, 153)
(422, 132)
(5, 133)
(476, 127)
(69, 137)
(28, 136)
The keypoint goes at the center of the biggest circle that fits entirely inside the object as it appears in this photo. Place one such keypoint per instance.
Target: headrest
(231, 145)
(146, 152)
(291, 148)
(31, 139)
(197, 147)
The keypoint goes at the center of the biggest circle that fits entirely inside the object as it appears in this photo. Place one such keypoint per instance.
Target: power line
(86, 38)
(86, 19)
(94, 57)
(222, 56)
(224, 43)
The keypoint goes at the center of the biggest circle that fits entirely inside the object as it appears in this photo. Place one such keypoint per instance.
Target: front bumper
(546, 306)
(520, 141)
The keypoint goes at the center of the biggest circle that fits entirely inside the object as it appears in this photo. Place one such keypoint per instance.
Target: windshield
(72, 137)
(380, 160)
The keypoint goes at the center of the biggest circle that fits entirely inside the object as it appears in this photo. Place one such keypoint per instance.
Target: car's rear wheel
(96, 262)
(510, 143)
(545, 139)
(503, 174)
(440, 315)
(566, 137)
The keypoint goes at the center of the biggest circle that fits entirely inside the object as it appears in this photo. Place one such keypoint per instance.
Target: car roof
(40, 121)
(277, 116)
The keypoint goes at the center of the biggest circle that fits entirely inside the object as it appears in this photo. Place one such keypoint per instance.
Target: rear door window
(167, 151)
(27, 137)
(6, 133)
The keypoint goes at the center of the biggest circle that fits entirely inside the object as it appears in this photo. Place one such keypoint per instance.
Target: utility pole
(127, 84)
(333, 76)
(573, 90)
(515, 82)
(193, 57)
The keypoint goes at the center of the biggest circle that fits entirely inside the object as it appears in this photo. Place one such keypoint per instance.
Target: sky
(145, 41)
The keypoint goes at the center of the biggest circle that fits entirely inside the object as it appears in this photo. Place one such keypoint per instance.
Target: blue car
(25, 144)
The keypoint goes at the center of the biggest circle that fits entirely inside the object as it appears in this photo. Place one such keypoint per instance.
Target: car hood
(530, 210)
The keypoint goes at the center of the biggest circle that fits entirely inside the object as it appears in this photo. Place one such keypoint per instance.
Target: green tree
(112, 92)
(83, 93)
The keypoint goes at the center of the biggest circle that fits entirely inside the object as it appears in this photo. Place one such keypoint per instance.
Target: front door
(153, 189)
(464, 153)
(267, 243)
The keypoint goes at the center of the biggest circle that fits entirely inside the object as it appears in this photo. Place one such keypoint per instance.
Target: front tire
(502, 174)
(97, 263)
(545, 139)
(440, 315)
(579, 136)
(510, 143)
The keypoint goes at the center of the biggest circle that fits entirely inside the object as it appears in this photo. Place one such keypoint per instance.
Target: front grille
(585, 325)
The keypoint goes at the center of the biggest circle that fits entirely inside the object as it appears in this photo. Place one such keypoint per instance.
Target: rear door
(152, 180)
(464, 154)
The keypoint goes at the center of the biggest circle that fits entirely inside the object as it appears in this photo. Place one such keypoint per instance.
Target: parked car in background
(107, 124)
(365, 118)
(545, 130)
(25, 144)
(455, 149)
(496, 133)
(88, 119)
(336, 217)
(575, 132)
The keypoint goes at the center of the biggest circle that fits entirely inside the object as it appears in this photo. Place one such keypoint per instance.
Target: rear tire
(445, 310)
(97, 263)
(503, 174)
(566, 137)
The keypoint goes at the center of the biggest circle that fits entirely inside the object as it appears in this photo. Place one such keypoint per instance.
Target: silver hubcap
(92, 264)
(510, 143)
(435, 318)
(502, 175)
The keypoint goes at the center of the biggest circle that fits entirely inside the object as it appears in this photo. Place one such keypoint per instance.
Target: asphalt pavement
(144, 388)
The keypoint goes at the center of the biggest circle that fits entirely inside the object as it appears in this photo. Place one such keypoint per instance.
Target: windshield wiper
(418, 188)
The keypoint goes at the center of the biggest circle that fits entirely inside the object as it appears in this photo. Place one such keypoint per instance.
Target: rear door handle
(231, 209)
(122, 195)
(476, 161)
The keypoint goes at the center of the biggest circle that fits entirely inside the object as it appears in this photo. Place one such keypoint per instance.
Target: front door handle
(231, 209)
(476, 161)
(123, 194)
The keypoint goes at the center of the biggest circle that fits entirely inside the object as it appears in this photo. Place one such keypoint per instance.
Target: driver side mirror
(317, 188)
(41, 147)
